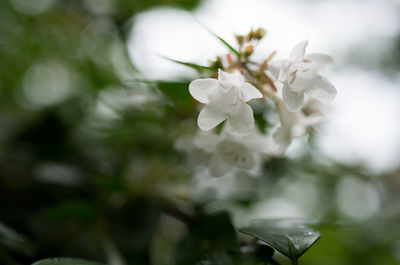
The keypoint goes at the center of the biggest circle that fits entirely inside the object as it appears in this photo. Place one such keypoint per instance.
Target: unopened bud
(240, 39)
(259, 33)
(217, 63)
(248, 50)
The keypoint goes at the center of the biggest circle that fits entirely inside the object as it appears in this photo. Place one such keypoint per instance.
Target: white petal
(260, 144)
(298, 130)
(218, 167)
(286, 117)
(230, 79)
(184, 143)
(293, 100)
(242, 120)
(298, 52)
(201, 89)
(275, 67)
(249, 92)
(313, 119)
(319, 61)
(236, 154)
(248, 161)
(209, 117)
(282, 139)
(321, 89)
(303, 81)
(284, 71)
(206, 141)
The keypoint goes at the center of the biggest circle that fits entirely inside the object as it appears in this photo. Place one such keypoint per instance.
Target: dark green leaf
(197, 67)
(290, 240)
(65, 261)
(77, 210)
(227, 45)
(259, 254)
(230, 47)
(208, 235)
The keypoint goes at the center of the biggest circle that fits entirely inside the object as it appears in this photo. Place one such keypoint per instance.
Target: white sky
(364, 123)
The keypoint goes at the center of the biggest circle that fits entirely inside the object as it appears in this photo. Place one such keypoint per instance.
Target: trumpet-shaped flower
(300, 75)
(230, 151)
(225, 99)
(293, 125)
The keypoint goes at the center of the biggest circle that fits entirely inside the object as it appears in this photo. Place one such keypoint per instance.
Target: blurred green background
(88, 167)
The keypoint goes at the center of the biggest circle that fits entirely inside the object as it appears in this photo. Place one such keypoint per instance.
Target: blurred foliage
(88, 167)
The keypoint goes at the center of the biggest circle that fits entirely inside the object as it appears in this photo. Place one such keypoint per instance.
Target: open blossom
(300, 75)
(293, 124)
(225, 99)
(230, 151)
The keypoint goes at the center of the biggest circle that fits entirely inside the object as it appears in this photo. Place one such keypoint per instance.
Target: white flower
(293, 125)
(301, 75)
(230, 151)
(225, 99)
(194, 156)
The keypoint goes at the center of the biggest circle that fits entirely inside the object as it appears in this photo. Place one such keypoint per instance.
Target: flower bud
(248, 50)
(217, 63)
(240, 39)
(259, 33)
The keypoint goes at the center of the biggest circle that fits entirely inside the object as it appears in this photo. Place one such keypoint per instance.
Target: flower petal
(230, 79)
(313, 119)
(282, 139)
(298, 52)
(248, 160)
(234, 153)
(249, 92)
(184, 143)
(242, 120)
(218, 167)
(206, 141)
(303, 80)
(209, 117)
(298, 130)
(275, 67)
(321, 89)
(293, 100)
(284, 71)
(260, 143)
(319, 61)
(286, 117)
(201, 89)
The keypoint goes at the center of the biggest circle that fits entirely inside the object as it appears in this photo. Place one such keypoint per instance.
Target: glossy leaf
(65, 261)
(290, 240)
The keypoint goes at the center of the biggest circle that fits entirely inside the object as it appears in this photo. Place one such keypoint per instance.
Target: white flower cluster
(240, 145)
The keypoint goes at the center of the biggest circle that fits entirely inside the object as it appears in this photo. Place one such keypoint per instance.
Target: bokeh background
(90, 112)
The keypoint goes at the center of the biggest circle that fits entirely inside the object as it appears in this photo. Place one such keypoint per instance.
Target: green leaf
(292, 240)
(258, 254)
(65, 261)
(226, 44)
(76, 210)
(208, 235)
(230, 47)
(197, 67)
